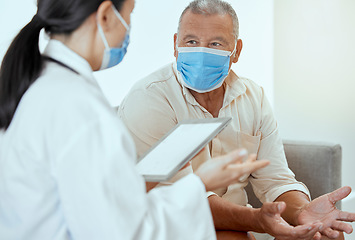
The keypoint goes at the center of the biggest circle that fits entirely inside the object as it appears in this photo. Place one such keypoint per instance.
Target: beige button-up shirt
(158, 102)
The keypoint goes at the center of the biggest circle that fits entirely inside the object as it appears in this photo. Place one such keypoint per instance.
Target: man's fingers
(339, 194)
(330, 233)
(285, 231)
(301, 231)
(298, 232)
(306, 231)
(346, 216)
(274, 207)
(317, 236)
(342, 226)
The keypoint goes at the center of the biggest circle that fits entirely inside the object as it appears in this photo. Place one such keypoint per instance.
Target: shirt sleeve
(148, 118)
(103, 197)
(270, 182)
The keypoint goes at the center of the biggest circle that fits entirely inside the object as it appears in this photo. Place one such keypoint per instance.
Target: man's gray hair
(209, 7)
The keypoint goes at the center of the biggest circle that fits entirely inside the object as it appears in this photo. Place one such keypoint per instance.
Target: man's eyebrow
(189, 36)
(221, 39)
(192, 36)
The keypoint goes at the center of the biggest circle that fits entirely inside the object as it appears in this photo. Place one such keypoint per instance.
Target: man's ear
(175, 44)
(104, 15)
(238, 50)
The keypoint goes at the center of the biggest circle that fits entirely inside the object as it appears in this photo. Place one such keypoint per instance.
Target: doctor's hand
(323, 209)
(228, 169)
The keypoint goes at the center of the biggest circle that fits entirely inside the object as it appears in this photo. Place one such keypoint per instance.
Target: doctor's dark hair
(22, 63)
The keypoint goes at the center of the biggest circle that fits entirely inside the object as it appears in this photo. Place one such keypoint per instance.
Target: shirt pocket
(238, 139)
(235, 193)
(249, 142)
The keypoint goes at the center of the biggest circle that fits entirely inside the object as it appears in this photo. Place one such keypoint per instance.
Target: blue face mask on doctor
(203, 69)
(113, 56)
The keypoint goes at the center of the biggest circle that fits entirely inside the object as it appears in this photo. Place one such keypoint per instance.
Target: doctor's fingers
(248, 167)
(251, 158)
(237, 170)
(235, 156)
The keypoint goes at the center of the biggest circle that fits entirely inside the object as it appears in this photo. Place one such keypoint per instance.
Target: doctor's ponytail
(20, 67)
(22, 63)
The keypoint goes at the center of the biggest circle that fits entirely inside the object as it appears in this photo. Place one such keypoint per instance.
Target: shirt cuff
(209, 194)
(275, 193)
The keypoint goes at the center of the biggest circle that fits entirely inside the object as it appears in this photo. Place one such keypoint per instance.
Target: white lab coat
(67, 168)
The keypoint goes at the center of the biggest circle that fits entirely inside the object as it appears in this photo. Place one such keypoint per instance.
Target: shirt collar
(233, 85)
(58, 51)
(234, 88)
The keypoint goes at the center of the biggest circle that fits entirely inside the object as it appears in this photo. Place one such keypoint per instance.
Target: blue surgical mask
(113, 56)
(203, 69)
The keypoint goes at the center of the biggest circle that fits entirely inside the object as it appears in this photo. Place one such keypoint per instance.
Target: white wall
(12, 19)
(315, 76)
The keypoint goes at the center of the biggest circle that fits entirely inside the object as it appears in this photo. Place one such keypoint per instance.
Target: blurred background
(300, 51)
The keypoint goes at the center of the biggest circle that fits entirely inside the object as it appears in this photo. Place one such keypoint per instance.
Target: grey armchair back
(316, 164)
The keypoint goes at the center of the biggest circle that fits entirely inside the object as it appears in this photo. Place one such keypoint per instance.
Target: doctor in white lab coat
(66, 161)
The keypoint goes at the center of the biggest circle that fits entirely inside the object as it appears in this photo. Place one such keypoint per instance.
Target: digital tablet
(178, 147)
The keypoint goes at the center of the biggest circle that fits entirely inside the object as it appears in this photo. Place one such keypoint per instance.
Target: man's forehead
(192, 20)
(205, 16)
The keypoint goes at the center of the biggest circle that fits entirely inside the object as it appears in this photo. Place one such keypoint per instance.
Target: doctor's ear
(104, 15)
(238, 50)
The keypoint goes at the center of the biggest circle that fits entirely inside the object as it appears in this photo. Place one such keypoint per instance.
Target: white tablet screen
(178, 147)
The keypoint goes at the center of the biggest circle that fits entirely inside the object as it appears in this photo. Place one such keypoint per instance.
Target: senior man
(199, 85)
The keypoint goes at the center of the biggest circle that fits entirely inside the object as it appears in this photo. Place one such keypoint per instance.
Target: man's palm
(323, 209)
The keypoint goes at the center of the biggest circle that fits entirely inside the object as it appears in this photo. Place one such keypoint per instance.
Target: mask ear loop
(235, 48)
(101, 32)
(120, 18)
(234, 51)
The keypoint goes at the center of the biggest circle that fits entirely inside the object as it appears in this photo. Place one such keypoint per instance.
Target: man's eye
(192, 42)
(216, 44)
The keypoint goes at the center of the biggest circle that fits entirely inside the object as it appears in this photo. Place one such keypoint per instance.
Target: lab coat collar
(233, 85)
(58, 51)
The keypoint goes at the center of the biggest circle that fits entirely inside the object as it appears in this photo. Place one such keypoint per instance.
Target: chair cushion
(316, 164)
